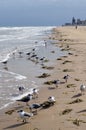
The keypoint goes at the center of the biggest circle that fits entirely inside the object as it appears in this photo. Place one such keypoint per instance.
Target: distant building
(75, 22)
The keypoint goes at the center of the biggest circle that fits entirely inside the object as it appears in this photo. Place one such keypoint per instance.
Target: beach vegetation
(77, 121)
(9, 112)
(48, 67)
(66, 111)
(77, 79)
(59, 58)
(46, 60)
(52, 51)
(70, 85)
(47, 104)
(67, 70)
(48, 82)
(67, 61)
(76, 101)
(44, 75)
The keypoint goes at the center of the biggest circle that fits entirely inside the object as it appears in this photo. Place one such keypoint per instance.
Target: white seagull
(35, 93)
(24, 115)
(82, 89)
(51, 99)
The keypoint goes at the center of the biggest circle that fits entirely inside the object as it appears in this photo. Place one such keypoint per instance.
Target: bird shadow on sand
(77, 95)
(15, 125)
(82, 111)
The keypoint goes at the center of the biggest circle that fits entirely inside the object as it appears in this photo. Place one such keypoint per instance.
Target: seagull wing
(24, 99)
(28, 114)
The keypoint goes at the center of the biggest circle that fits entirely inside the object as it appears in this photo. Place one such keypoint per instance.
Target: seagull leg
(27, 104)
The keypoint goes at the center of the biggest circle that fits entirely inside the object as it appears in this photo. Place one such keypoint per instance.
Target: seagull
(66, 77)
(35, 93)
(20, 52)
(35, 106)
(33, 49)
(24, 115)
(51, 99)
(34, 55)
(5, 61)
(82, 89)
(42, 58)
(56, 82)
(21, 88)
(28, 53)
(26, 99)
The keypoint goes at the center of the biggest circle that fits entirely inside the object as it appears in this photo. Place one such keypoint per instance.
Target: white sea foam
(6, 105)
(17, 76)
(20, 77)
(23, 95)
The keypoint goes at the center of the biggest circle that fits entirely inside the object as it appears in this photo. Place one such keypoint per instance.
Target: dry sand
(64, 115)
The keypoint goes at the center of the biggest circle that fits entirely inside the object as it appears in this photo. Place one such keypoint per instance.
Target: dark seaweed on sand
(48, 82)
(9, 112)
(66, 111)
(44, 75)
(76, 101)
(70, 85)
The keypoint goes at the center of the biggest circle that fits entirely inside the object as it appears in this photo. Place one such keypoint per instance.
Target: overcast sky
(40, 12)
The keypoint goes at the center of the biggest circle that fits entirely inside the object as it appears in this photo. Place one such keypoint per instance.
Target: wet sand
(69, 111)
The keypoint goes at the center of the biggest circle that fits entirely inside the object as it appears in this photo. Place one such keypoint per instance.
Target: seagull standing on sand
(35, 106)
(35, 93)
(56, 82)
(26, 99)
(82, 89)
(66, 77)
(51, 99)
(24, 115)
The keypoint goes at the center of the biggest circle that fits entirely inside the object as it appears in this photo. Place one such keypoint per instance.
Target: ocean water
(22, 69)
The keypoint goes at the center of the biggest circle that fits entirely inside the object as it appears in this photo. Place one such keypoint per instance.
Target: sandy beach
(69, 111)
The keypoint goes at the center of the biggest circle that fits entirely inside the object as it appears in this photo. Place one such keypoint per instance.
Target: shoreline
(57, 117)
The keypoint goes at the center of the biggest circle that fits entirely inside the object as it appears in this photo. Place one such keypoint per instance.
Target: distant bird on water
(21, 89)
(5, 61)
(24, 115)
(42, 58)
(28, 53)
(25, 99)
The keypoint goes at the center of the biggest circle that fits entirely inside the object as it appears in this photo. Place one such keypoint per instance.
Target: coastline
(71, 40)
